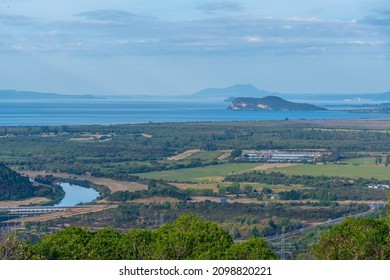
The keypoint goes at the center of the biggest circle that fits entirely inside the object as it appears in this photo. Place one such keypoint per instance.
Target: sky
(173, 47)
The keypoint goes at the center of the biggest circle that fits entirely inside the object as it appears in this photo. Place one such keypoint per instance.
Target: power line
(283, 248)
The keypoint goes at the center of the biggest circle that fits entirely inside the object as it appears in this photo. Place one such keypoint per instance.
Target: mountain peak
(237, 90)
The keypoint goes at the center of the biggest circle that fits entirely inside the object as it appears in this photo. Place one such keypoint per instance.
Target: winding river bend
(75, 194)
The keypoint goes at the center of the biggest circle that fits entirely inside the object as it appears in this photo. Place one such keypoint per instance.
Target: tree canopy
(188, 238)
(355, 239)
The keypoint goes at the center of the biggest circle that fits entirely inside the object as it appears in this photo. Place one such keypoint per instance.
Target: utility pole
(161, 219)
(282, 248)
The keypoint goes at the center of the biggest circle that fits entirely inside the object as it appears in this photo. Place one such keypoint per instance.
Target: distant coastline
(106, 112)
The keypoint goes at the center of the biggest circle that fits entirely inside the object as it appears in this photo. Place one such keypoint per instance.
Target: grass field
(212, 173)
(348, 171)
(361, 161)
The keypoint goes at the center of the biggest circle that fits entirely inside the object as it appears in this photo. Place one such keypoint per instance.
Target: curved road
(373, 208)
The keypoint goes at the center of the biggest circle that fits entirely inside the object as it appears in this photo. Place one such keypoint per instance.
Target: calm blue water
(75, 194)
(123, 112)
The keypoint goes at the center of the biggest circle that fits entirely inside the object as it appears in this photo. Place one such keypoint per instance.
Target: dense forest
(13, 186)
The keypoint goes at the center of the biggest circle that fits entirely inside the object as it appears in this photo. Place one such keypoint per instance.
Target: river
(75, 194)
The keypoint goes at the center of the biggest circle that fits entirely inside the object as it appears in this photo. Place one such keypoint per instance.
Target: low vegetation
(153, 174)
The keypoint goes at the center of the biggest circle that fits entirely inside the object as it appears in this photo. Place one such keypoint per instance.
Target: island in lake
(270, 103)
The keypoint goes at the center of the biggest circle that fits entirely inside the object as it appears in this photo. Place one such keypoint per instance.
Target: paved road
(373, 207)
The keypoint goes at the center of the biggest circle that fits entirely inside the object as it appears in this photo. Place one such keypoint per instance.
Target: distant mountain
(270, 103)
(233, 91)
(247, 90)
(30, 95)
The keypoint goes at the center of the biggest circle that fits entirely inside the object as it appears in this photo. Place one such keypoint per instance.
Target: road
(373, 208)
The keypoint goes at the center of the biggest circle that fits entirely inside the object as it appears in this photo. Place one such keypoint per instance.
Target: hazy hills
(247, 90)
(30, 95)
(206, 95)
(237, 90)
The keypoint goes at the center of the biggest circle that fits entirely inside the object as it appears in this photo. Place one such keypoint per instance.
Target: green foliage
(105, 245)
(355, 239)
(188, 238)
(12, 247)
(68, 244)
(253, 249)
(236, 153)
(155, 188)
(325, 188)
(13, 186)
(138, 245)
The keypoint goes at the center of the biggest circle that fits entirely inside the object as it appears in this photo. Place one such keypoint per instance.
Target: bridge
(33, 210)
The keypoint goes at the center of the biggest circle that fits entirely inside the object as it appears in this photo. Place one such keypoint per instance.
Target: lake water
(75, 194)
(130, 112)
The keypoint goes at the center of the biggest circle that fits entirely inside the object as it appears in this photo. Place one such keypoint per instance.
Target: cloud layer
(117, 32)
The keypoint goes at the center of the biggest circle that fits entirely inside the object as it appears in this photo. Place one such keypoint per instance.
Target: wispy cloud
(112, 16)
(116, 32)
(220, 6)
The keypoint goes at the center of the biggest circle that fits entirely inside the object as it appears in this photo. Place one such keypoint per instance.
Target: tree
(188, 238)
(355, 239)
(191, 238)
(138, 244)
(68, 244)
(13, 248)
(105, 245)
(236, 153)
(254, 249)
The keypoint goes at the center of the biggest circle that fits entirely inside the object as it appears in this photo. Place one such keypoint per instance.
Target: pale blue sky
(179, 46)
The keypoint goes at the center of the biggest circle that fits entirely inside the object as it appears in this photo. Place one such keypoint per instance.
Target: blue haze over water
(130, 112)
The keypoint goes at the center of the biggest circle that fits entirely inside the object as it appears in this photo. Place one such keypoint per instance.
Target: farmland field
(200, 174)
(347, 171)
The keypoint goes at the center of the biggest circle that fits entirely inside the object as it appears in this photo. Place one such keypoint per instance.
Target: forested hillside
(13, 186)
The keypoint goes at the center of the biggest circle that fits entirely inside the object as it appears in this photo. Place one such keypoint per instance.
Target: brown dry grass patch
(26, 202)
(113, 185)
(185, 154)
(268, 166)
(225, 155)
(196, 199)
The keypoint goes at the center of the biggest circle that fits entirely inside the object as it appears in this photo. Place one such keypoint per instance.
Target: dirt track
(268, 166)
(185, 154)
(35, 200)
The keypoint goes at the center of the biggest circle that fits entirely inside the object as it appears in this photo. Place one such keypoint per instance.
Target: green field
(199, 174)
(348, 171)
(361, 161)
